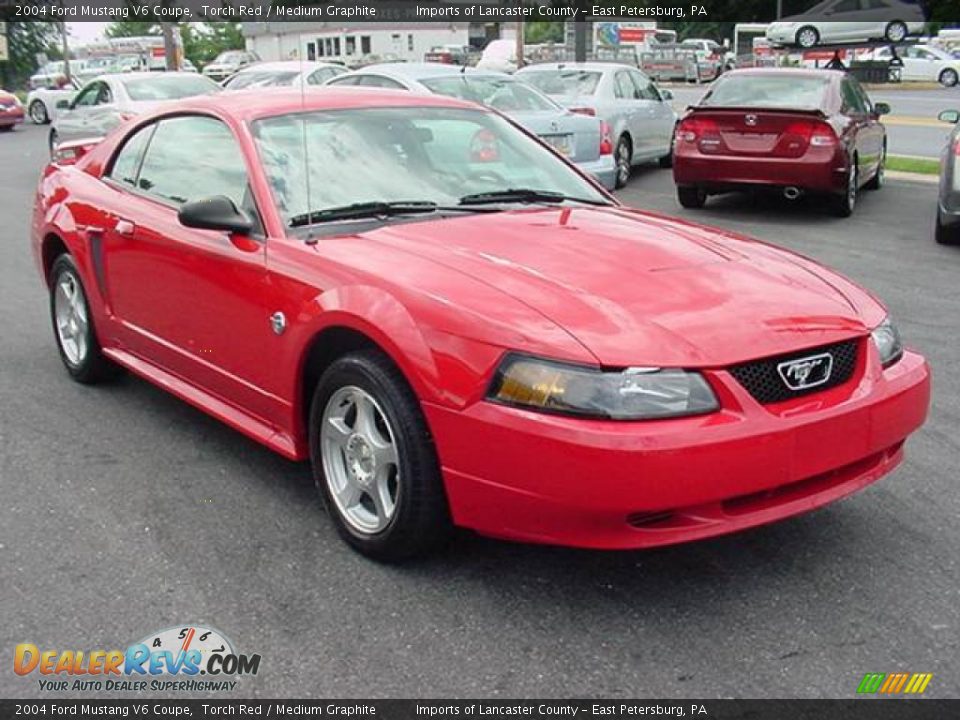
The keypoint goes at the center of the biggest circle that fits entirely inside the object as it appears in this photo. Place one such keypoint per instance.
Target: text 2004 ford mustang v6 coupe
(460, 329)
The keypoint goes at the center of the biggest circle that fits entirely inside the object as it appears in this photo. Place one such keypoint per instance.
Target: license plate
(560, 143)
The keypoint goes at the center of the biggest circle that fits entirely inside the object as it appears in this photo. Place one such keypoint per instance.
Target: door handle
(124, 227)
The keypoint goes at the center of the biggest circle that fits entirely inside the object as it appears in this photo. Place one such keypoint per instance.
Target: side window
(319, 77)
(645, 88)
(88, 96)
(851, 100)
(105, 96)
(193, 157)
(349, 80)
(862, 94)
(127, 163)
(622, 87)
(381, 82)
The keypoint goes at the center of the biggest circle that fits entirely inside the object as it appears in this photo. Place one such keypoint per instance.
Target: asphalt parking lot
(125, 511)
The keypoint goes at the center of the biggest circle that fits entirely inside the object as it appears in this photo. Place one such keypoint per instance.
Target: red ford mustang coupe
(460, 329)
(790, 129)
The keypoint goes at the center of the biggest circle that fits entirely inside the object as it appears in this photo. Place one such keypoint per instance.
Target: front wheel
(896, 32)
(374, 461)
(692, 197)
(808, 36)
(73, 325)
(38, 113)
(624, 158)
(949, 77)
(944, 234)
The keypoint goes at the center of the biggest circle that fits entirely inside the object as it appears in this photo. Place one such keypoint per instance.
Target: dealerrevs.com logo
(187, 659)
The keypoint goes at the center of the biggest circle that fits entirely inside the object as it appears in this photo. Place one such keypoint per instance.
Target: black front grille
(762, 379)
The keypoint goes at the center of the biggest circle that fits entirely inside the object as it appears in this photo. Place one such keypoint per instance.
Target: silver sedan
(640, 115)
(108, 100)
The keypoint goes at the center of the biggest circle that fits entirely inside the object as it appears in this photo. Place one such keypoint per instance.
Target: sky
(86, 32)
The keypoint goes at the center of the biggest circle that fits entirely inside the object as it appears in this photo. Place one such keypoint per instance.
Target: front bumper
(603, 169)
(532, 477)
(782, 35)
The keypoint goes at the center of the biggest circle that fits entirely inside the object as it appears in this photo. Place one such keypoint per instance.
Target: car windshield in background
(501, 94)
(403, 155)
(773, 91)
(229, 57)
(262, 79)
(168, 87)
(564, 82)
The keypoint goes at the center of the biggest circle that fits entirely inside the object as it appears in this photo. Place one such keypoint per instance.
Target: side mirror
(881, 108)
(63, 104)
(949, 116)
(665, 94)
(215, 213)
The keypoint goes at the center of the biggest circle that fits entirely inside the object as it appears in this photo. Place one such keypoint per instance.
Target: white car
(42, 103)
(499, 56)
(229, 62)
(287, 73)
(924, 62)
(823, 24)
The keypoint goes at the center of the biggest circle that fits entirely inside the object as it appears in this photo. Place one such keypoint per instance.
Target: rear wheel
(949, 77)
(691, 197)
(38, 113)
(374, 461)
(844, 205)
(808, 36)
(53, 141)
(6, 128)
(896, 32)
(944, 234)
(624, 158)
(73, 325)
(667, 160)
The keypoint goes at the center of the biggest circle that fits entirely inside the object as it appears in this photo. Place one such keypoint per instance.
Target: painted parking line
(914, 121)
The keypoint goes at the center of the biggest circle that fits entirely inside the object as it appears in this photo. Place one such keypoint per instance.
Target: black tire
(944, 234)
(421, 519)
(896, 32)
(623, 156)
(876, 182)
(949, 78)
(38, 113)
(691, 197)
(844, 205)
(808, 37)
(6, 128)
(93, 366)
(667, 160)
(52, 142)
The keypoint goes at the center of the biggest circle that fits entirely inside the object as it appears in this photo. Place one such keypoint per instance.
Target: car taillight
(693, 129)
(815, 133)
(592, 112)
(606, 141)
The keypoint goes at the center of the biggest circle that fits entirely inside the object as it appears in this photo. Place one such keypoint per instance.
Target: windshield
(265, 78)
(230, 56)
(504, 94)
(754, 90)
(422, 154)
(564, 82)
(168, 87)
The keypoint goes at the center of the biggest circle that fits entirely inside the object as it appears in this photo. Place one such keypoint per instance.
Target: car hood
(641, 289)
(7, 98)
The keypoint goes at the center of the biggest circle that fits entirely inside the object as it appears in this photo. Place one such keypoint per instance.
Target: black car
(948, 207)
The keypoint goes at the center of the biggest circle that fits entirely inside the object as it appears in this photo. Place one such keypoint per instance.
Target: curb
(913, 177)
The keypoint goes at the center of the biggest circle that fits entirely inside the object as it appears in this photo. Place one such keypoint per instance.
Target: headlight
(631, 394)
(887, 339)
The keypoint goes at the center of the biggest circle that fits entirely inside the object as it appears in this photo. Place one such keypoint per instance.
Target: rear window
(773, 91)
(499, 93)
(168, 87)
(563, 82)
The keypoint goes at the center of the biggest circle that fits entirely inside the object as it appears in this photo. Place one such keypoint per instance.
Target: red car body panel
(11, 112)
(446, 299)
(769, 146)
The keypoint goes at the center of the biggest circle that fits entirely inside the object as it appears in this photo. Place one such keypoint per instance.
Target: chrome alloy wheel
(361, 462)
(70, 313)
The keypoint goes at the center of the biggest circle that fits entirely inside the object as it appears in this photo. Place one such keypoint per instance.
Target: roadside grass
(922, 166)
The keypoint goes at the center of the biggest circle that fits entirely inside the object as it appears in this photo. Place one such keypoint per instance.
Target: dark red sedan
(11, 111)
(793, 130)
(458, 328)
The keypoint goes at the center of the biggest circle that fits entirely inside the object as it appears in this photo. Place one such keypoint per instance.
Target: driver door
(189, 301)
(74, 122)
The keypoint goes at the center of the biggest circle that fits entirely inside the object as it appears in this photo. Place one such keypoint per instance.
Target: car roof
(790, 72)
(139, 75)
(288, 65)
(587, 66)
(419, 71)
(269, 102)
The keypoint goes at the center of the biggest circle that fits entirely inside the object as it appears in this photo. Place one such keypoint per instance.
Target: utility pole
(779, 9)
(66, 50)
(521, 31)
(171, 45)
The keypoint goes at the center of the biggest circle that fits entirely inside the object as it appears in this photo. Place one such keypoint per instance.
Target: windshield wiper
(523, 195)
(377, 208)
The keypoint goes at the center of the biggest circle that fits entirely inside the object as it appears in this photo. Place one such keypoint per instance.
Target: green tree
(26, 40)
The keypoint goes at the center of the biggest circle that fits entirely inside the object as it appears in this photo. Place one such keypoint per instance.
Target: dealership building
(346, 41)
